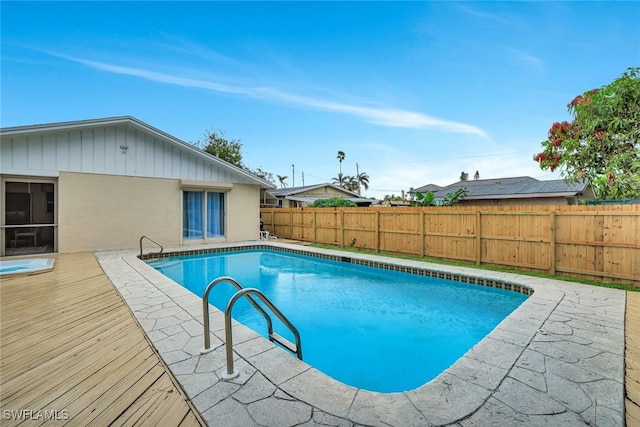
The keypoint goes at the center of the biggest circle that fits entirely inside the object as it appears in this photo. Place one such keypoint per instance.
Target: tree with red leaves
(602, 143)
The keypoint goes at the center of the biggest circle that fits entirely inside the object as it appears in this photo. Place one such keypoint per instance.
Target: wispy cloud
(527, 59)
(490, 17)
(383, 116)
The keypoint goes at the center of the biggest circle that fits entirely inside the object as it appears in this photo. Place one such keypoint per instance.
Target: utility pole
(303, 178)
(293, 174)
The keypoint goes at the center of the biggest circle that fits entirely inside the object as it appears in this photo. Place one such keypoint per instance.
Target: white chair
(26, 233)
(265, 235)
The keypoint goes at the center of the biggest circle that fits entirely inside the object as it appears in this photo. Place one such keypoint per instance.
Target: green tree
(351, 183)
(334, 202)
(347, 182)
(602, 143)
(217, 145)
(425, 199)
(450, 199)
(340, 158)
(230, 151)
(340, 180)
(363, 181)
(282, 180)
(267, 176)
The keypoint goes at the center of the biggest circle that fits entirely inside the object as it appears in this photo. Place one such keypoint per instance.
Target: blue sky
(413, 92)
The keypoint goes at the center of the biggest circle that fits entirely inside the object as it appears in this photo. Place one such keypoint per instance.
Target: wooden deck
(632, 359)
(72, 351)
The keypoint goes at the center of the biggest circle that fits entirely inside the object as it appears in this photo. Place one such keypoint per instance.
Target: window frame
(206, 188)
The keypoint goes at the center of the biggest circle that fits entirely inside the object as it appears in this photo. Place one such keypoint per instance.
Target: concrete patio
(557, 360)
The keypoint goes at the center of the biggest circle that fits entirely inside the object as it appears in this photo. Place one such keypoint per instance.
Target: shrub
(334, 202)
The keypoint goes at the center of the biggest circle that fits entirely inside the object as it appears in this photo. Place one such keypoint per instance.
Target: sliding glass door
(203, 214)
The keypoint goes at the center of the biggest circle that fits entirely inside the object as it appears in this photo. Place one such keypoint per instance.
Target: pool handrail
(247, 292)
(151, 240)
(205, 310)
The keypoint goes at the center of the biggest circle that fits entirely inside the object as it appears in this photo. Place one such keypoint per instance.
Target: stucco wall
(103, 212)
(243, 213)
(324, 192)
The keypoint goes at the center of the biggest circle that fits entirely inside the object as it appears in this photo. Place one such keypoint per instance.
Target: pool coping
(566, 338)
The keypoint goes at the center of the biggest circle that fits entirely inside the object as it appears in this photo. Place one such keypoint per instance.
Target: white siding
(35, 154)
(48, 152)
(97, 150)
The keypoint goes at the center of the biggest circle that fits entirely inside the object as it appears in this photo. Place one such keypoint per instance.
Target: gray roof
(289, 191)
(513, 188)
(426, 188)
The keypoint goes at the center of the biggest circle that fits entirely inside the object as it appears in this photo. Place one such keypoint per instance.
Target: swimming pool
(371, 328)
(25, 266)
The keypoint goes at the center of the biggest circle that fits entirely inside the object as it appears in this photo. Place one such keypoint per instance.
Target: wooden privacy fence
(595, 242)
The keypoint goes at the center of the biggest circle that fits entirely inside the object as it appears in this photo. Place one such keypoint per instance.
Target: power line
(459, 157)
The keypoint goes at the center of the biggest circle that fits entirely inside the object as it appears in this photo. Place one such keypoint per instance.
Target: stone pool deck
(557, 360)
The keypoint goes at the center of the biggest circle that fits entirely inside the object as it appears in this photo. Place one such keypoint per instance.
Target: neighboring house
(102, 184)
(522, 190)
(424, 189)
(304, 196)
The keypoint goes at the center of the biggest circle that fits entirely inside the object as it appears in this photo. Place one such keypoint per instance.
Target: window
(200, 218)
(50, 202)
(215, 214)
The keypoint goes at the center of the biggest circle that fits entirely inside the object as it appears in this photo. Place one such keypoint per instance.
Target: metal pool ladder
(246, 292)
(151, 240)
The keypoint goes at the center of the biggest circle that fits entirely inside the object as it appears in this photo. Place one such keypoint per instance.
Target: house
(303, 196)
(521, 190)
(424, 189)
(101, 184)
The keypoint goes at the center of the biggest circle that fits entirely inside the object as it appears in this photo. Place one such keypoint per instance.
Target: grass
(603, 284)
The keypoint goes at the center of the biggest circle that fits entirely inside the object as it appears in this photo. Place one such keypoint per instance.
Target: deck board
(70, 343)
(632, 359)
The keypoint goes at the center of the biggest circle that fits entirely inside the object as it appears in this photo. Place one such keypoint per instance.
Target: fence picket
(600, 242)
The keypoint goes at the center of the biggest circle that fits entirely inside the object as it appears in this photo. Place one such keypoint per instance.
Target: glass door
(29, 219)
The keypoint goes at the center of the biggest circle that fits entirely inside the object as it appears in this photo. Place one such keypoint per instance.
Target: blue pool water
(367, 327)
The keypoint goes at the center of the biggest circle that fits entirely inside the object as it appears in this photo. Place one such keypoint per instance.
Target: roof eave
(523, 195)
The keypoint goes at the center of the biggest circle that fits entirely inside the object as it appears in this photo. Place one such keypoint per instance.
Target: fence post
(552, 242)
(342, 228)
(478, 238)
(291, 223)
(315, 227)
(378, 230)
(421, 233)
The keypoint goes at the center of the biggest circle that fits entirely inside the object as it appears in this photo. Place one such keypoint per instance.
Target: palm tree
(340, 158)
(363, 181)
(340, 180)
(351, 183)
(282, 179)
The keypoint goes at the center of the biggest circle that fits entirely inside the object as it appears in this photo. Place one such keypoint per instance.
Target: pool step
(283, 342)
